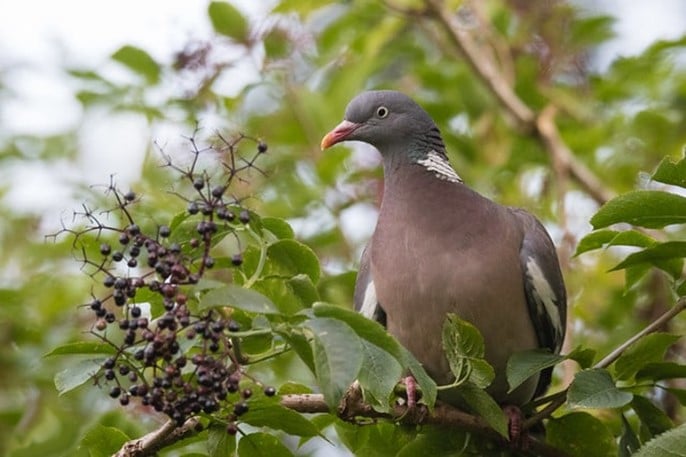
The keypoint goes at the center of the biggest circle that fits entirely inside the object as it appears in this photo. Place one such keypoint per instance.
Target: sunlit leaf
(77, 374)
(238, 297)
(82, 347)
(645, 208)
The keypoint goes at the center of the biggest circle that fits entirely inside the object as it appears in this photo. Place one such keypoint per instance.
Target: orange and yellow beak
(339, 133)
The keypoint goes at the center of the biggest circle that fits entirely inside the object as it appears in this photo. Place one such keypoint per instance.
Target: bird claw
(519, 438)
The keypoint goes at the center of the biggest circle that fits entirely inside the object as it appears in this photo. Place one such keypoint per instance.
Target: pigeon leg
(519, 438)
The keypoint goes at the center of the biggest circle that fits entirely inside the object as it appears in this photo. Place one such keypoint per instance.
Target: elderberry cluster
(166, 353)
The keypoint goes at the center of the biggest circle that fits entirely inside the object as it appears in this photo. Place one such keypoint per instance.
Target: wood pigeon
(440, 247)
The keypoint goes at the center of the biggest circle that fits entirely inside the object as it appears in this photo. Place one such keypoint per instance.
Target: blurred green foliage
(310, 58)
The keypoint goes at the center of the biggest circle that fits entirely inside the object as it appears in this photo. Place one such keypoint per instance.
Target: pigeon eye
(382, 111)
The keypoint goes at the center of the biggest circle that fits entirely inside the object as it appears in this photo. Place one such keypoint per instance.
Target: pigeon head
(389, 121)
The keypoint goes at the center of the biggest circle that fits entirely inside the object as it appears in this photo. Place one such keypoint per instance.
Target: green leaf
(380, 375)
(219, 442)
(583, 356)
(595, 388)
(628, 441)
(435, 442)
(522, 365)
(679, 394)
(77, 374)
(571, 432)
(276, 43)
(672, 173)
(262, 445)
(82, 347)
(667, 256)
(300, 345)
(650, 348)
(600, 238)
(102, 441)
(290, 295)
(139, 61)
(228, 21)
(669, 444)
(658, 371)
(645, 208)
(277, 417)
(337, 357)
(652, 417)
(291, 258)
(238, 297)
(376, 334)
(485, 406)
(278, 227)
(464, 349)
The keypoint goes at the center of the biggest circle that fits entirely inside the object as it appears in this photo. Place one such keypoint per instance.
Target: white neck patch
(439, 165)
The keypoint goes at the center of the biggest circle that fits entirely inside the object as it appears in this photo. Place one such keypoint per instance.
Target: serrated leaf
(219, 442)
(228, 20)
(77, 374)
(464, 348)
(669, 444)
(262, 444)
(571, 432)
(644, 208)
(380, 375)
(658, 371)
(650, 348)
(337, 357)
(102, 441)
(595, 388)
(481, 403)
(376, 334)
(139, 61)
(238, 297)
(82, 347)
(652, 417)
(522, 365)
(669, 172)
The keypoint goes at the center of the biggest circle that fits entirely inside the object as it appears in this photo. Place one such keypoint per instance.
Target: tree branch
(559, 398)
(158, 439)
(542, 126)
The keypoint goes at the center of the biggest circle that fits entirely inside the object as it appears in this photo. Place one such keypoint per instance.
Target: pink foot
(411, 390)
(519, 438)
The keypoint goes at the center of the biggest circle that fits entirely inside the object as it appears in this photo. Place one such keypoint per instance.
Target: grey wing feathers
(544, 288)
(365, 293)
